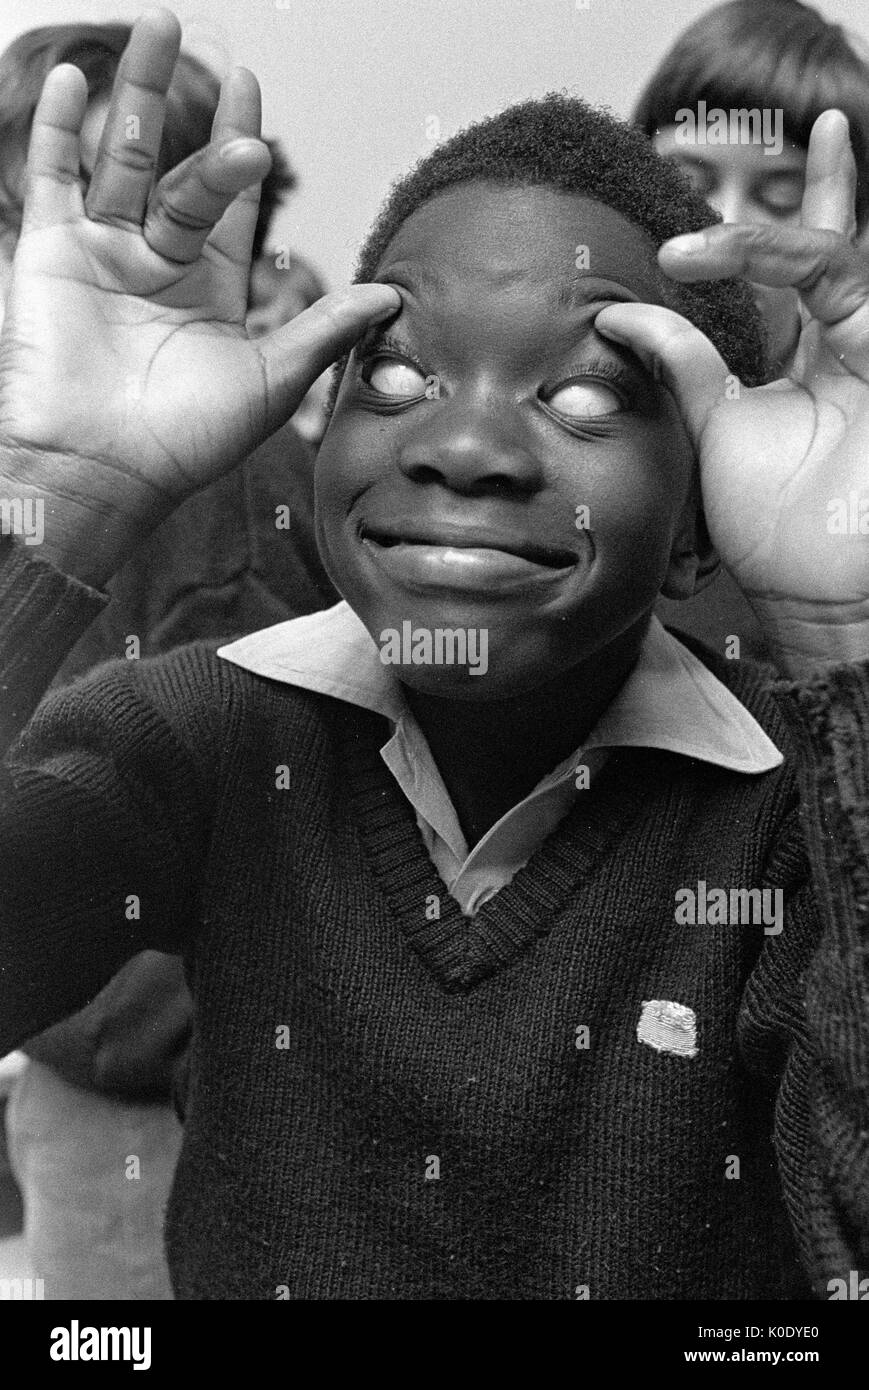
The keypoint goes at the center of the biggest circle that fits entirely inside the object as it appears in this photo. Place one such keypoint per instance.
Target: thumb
(676, 354)
(296, 354)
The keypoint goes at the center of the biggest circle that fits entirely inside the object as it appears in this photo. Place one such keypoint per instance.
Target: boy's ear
(693, 560)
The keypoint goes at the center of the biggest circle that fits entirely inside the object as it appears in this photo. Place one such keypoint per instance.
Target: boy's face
(494, 463)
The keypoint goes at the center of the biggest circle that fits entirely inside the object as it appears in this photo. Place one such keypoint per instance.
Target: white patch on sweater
(668, 1027)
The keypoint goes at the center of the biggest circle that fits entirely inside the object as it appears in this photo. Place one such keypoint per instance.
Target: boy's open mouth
(445, 554)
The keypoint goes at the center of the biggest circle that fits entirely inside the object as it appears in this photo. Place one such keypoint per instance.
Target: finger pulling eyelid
(377, 341)
(623, 354)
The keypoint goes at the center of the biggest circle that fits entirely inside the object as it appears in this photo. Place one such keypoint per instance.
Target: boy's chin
(470, 663)
(454, 683)
(485, 679)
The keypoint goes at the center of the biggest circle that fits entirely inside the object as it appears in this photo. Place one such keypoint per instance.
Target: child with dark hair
(98, 1084)
(96, 50)
(527, 943)
(771, 67)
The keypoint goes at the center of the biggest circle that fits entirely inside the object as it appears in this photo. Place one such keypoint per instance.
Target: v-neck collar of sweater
(461, 952)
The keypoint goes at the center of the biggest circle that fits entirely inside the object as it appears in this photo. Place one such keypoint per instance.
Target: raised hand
(783, 467)
(127, 379)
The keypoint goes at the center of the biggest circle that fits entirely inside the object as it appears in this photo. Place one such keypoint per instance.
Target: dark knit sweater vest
(389, 1100)
(387, 1103)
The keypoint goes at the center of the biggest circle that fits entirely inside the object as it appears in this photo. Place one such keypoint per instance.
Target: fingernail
(689, 244)
(238, 144)
(607, 332)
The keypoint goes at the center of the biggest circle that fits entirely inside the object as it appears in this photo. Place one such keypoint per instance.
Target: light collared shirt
(670, 700)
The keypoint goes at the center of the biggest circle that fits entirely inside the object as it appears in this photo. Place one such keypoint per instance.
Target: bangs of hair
(773, 54)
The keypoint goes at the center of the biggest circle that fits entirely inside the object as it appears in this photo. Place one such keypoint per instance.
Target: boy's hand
(127, 379)
(783, 467)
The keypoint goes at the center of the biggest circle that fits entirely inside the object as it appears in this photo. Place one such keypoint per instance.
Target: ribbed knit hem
(42, 615)
(830, 712)
(828, 716)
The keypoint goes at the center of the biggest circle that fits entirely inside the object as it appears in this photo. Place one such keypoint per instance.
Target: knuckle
(128, 157)
(44, 168)
(179, 217)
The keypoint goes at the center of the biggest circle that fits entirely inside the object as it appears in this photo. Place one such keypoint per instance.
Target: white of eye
(584, 400)
(393, 378)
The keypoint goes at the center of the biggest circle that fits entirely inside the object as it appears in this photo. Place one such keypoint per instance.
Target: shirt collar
(670, 700)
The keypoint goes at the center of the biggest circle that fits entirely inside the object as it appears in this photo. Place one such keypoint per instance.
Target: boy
(456, 1036)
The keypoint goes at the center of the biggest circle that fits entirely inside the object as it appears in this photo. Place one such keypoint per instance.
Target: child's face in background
(749, 183)
(468, 433)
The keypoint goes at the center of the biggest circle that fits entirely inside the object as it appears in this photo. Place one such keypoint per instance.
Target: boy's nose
(472, 450)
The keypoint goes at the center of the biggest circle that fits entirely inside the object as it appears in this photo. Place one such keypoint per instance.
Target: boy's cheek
(632, 546)
(353, 454)
(335, 542)
(630, 511)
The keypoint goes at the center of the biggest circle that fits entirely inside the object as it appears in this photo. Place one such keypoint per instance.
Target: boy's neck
(492, 753)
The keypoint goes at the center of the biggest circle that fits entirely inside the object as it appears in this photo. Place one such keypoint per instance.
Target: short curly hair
(561, 142)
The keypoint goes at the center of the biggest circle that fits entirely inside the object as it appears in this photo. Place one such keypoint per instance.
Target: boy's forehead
(499, 238)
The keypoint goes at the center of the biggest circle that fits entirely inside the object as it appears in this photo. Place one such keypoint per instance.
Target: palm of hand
(107, 340)
(779, 466)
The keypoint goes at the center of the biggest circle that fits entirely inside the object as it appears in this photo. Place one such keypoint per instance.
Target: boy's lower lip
(475, 568)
